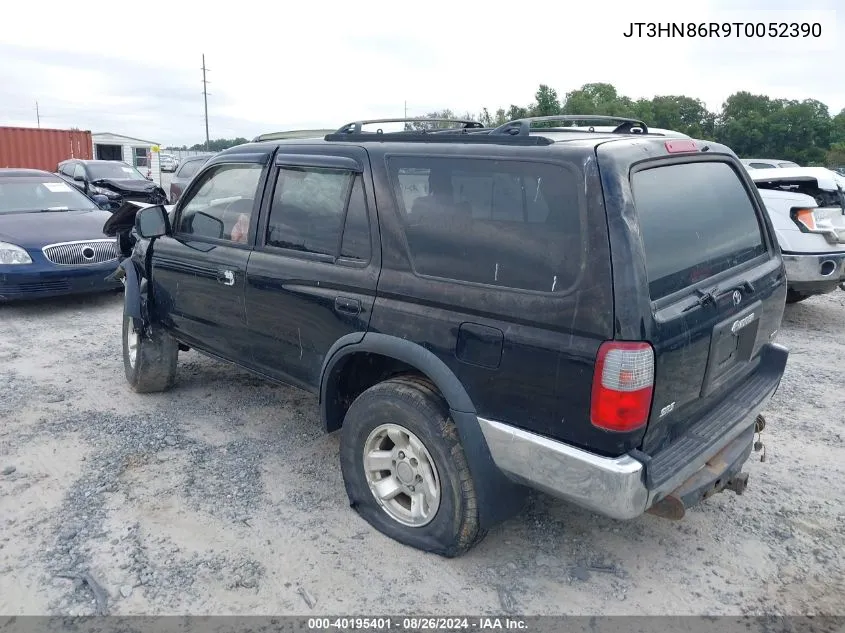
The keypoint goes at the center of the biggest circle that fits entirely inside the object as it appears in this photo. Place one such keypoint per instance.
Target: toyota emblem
(737, 297)
(88, 252)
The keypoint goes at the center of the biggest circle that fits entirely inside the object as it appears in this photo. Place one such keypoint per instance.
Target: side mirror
(206, 225)
(102, 201)
(152, 222)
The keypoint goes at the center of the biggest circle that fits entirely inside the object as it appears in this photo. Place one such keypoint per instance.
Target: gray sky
(134, 68)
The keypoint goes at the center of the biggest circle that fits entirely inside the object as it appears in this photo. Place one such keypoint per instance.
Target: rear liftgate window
(501, 223)
(696, 220)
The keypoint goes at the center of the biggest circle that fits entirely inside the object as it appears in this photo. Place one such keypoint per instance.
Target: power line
(205, 100)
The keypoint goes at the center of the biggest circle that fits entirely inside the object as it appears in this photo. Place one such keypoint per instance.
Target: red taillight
(622, 386)
(682, 145)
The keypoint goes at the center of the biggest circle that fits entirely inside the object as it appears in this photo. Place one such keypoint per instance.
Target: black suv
(589, 313)
(114, 179)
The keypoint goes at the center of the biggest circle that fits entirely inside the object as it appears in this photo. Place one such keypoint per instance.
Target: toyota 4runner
(590, 313)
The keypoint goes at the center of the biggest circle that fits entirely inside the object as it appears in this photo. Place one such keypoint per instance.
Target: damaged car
(113, 179)
(807, 208)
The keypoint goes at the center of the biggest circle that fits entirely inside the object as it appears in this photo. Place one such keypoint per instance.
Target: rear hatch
(706, 288)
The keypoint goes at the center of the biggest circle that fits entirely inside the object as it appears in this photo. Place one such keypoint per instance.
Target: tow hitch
(722, 472)
(738, 483)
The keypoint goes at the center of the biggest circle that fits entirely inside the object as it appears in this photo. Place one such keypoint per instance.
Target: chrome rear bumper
(611, 486)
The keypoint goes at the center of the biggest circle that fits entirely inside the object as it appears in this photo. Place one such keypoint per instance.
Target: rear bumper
(625, 487)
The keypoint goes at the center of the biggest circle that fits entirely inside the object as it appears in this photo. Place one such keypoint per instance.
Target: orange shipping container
(40, 148)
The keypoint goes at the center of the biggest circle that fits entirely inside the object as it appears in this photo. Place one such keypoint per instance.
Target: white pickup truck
(807, 208)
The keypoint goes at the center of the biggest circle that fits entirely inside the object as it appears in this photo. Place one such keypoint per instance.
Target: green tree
(838, 133)
(598, 98)
(546, 102)
(421, 124)
(835, 156)
(516, 112)
(680, 113)
(486, 118)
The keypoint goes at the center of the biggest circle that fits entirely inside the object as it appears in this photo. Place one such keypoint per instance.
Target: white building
(134, 151)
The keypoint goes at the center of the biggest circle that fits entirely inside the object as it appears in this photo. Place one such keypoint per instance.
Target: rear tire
(149, 360)
(794, 297)
(410, 410)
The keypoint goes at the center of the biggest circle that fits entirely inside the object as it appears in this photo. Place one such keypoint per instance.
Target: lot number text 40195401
(415, 624)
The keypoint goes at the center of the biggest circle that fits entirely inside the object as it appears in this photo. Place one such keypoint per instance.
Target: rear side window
(190, 168)
(312, 206)
(696, 220)
(500, 223)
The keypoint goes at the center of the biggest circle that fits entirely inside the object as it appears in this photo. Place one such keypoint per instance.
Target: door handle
(226, 277)
(347, 305)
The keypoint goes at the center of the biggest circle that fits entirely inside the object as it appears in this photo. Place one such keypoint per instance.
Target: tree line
(753, 126)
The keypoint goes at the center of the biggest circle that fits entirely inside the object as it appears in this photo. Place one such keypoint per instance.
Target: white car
(807, 208)
(168, 162)
(767, 163)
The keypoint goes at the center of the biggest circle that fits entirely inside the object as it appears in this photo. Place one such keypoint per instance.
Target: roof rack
(455, 136)
(294, 134)
(522, 127)
(355, 126)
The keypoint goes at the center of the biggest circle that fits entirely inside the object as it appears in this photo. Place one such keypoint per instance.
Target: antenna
(37, 114)
(205, 99)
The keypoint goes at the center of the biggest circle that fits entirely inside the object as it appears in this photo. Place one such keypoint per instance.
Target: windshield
(32, 194)
(113, 171)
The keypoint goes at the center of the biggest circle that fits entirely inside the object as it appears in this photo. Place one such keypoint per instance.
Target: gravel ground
(223, 496)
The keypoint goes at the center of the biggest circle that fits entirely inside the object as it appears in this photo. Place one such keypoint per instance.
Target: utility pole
(205, 100)
(37, 114)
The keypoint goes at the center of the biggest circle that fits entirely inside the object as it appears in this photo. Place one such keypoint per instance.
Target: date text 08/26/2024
(786, 30)
(416, 624)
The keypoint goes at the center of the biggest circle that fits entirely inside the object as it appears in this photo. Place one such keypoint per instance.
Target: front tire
(149, 361)
(405, 470)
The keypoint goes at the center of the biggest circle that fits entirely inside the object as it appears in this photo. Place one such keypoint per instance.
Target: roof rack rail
(522, 127)
(355, 126)
(455, 136)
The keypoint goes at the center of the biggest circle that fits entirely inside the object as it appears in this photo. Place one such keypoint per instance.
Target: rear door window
(494, 222)
(696, 220)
